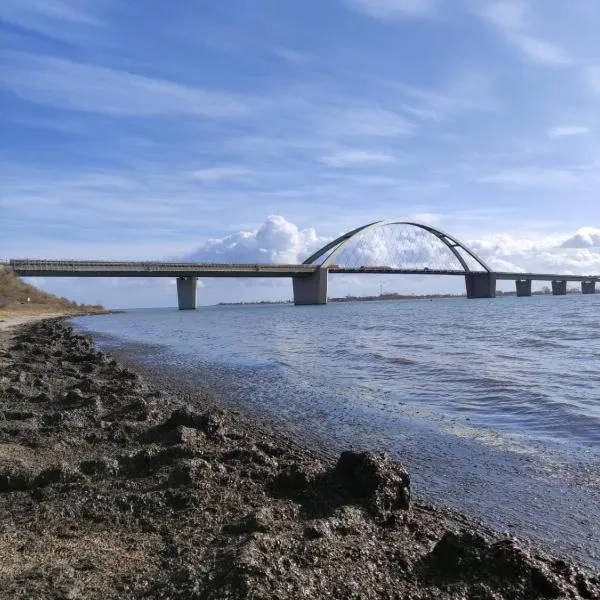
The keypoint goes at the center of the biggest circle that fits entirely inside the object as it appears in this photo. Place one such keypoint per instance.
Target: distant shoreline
(386, 297)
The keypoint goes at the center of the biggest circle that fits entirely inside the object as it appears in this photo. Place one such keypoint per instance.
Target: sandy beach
(112, 488)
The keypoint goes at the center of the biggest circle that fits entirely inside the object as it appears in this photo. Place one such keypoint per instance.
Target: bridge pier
(186, 292)
(588, 287)
(311, 289)
(481, 285)
(523, 287)
(559, 287)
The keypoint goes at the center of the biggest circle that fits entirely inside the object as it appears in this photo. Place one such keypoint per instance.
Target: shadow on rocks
(372, 480)
(486, 568)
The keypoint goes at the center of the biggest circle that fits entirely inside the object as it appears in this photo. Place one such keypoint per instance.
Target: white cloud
(70, 85)
(586, 237)
(539, 50)
(510, 19)
(394, 9)
(537, 177)
(365, 122)
(567, 131)
(507, 14)
(33, 13)
(466, 93)
(572, 255)
(218, 173)
(356, 157)
(277, 240)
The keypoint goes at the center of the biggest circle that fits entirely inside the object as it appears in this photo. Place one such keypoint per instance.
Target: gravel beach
(113, 488)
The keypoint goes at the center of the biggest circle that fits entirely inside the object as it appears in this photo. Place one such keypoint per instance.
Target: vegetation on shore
(20, 298)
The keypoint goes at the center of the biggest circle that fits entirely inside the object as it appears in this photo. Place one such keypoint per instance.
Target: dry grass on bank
(19, 298)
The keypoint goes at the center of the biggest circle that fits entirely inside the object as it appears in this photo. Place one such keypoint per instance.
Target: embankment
(111, 488)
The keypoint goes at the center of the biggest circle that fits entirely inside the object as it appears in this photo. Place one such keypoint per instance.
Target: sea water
(493, 405)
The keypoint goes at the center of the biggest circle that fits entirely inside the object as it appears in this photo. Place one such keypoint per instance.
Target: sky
(261, 129)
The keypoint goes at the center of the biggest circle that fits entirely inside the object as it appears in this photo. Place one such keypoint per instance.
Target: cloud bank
(281, 241)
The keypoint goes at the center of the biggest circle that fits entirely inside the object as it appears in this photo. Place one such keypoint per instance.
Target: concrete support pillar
(588, 287)
(523, 287)
(559, 287)
(481, 285)
(186, 292)
(311, 289)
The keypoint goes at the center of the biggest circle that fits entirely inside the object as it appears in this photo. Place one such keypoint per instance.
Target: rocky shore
(112, 488)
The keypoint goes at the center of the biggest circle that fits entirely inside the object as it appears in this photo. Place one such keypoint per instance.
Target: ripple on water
(483, 401)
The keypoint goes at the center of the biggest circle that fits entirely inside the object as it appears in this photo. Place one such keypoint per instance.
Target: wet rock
(260, 520)
(87, 385)
(209, 423)
(103, 467)
(43, 397)
(249, 456)
(181, 435)
(16, 477)
(317, 529)
(52, 419)
(15, 392)
(297, 478)
(136, 410)
(74, 397)
(18, 415)
(468, 557)
(62, 473)
(149, 460)
(379, 482)
(188, 472)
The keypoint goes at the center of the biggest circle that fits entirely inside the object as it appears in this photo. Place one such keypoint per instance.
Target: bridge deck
(97, 268)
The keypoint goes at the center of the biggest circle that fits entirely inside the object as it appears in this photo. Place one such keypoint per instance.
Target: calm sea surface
(494, 405)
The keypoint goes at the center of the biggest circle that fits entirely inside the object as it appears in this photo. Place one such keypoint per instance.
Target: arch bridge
(382, 247)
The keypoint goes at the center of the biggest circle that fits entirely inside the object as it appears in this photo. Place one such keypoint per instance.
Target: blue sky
(156, 130)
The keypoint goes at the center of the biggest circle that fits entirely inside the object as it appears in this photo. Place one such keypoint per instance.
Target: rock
(181, 435)
(206, 422)
(379, 482)
(187, 472)
(317, 529)
(470, 558)
(296, 478)
(100, 466)
(260, 520)
(15, 478)
(62, 473)
(74, 397)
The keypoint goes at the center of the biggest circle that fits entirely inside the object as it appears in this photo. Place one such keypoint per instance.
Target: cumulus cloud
(277, 241)
(281, 241)
(586, 237)
(574, 255)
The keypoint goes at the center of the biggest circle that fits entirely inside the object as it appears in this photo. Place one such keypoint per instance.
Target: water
(494, 405)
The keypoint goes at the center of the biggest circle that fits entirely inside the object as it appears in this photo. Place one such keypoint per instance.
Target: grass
(20, 298)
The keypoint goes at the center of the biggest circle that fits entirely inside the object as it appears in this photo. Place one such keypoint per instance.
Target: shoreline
(165, 492)
(13, 319)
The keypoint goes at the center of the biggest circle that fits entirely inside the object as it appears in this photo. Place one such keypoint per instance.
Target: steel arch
(449, 241)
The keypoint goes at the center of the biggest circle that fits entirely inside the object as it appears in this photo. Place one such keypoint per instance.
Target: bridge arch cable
(398, 245)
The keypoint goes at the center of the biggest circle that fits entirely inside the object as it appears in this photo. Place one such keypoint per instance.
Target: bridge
(352, 252)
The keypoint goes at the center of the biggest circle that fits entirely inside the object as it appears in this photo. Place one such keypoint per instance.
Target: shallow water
(494, 405)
